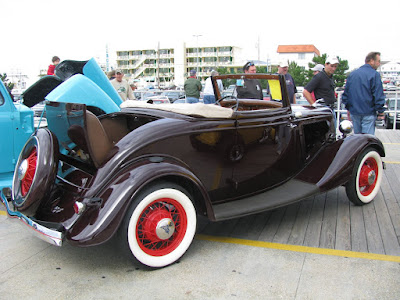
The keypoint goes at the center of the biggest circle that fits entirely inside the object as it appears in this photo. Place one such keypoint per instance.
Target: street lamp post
(197, 37)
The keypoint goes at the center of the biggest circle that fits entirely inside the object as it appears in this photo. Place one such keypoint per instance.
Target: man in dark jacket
(363, 95)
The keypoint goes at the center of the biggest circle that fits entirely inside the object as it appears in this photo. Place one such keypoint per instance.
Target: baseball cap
(283, 64)
(332, 60)
(192, 72)
(318, 68)
(118, 71)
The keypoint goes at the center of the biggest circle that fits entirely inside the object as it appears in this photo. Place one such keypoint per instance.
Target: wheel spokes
(27, 180)
(159, 228)
(368, 176)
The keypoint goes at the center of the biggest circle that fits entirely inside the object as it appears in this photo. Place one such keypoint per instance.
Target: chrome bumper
(51, 236)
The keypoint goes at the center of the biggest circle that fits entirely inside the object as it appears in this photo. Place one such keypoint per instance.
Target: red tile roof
(298, 49)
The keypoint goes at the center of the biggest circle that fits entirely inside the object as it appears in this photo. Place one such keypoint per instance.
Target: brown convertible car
(145, 173)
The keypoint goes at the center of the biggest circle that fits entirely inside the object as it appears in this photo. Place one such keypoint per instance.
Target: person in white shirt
(122, 86)
(209, 97)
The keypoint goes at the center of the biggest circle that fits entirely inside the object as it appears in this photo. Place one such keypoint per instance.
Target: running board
(290, 192)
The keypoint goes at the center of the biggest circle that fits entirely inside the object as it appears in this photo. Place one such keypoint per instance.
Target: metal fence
(388, 95)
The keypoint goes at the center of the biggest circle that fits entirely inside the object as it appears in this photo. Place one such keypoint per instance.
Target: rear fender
(341, 168)
(99, 222)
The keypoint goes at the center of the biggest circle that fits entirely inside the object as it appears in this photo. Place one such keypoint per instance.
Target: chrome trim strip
(51, 236)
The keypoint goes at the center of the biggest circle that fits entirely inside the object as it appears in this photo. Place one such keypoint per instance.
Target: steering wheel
(234, 107)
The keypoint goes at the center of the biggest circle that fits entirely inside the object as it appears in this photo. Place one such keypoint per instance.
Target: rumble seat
(95, 141)
(99, 144)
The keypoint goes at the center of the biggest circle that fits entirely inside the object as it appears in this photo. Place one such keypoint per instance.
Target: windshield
(239, 86)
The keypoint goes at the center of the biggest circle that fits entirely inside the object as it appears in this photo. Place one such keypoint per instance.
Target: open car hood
(59, 87)
(40, 89)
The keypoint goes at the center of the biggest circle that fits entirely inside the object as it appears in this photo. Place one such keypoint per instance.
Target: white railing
(387, 111)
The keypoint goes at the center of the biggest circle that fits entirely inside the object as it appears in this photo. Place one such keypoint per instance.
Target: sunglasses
(248, 65)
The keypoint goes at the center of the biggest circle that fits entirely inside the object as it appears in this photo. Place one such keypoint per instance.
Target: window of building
(225, 49)
(210, 59)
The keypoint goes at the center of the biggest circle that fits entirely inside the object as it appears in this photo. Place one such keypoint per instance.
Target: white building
(163, 67)
(301, 54)
(390, 71)
(171, 66)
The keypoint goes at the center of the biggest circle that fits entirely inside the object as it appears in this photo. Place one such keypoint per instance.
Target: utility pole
(197, 37)
(158, 65)
(107, 60)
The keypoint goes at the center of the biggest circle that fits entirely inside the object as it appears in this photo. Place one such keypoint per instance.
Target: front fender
(99, 223)
(341, 168)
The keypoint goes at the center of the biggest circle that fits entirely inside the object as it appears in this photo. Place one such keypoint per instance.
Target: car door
(271, 150)
(7, 159)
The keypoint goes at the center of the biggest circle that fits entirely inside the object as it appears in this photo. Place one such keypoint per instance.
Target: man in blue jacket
(363, 95)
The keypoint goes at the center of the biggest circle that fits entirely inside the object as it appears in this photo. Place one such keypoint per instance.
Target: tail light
(79, 207)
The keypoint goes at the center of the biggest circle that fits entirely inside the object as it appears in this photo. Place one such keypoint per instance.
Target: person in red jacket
(55, 60)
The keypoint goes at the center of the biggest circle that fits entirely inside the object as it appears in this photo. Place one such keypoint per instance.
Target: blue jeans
(209, 99)
(363, 123)
(192, 100)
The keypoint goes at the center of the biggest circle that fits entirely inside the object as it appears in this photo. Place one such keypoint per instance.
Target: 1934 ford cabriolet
(145, 173)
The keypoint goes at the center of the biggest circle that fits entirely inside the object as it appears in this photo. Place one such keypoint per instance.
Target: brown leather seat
(98, 142)
(94, 140)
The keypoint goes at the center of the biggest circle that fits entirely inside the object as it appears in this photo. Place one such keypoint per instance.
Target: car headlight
(391, 114)
(346, 126)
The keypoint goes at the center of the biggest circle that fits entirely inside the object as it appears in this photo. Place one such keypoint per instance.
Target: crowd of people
(363, 95)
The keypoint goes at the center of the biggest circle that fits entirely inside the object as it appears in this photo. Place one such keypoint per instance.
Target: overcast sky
(34, 31)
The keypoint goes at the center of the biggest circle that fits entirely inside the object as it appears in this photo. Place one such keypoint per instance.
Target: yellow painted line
(304, 249)
(293, 248)
(391, 162)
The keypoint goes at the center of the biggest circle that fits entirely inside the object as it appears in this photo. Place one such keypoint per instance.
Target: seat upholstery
(98, 142)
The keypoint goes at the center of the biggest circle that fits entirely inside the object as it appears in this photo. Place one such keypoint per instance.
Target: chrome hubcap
(371, 177)
(23, 167)
(165, 228)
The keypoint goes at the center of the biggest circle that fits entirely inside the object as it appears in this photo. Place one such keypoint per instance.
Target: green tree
(298, 73)
(225, 82)
(5, 81)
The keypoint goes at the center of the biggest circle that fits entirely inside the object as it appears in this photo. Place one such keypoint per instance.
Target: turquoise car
(76, 82)
(16, 123)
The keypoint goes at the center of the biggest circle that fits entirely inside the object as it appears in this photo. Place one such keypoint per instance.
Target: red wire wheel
(366, 178)
(27, 170)
(35, 171)
(159, 225)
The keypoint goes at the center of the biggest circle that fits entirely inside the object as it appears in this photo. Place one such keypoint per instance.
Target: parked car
(145, 173)
(266, 95)
(302, 101)
(174, 95)
(159, 99)
(16, 123)
(391, 87)
(390, 116)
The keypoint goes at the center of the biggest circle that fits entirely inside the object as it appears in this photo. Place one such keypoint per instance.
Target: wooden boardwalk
(330, 220)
